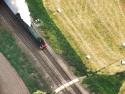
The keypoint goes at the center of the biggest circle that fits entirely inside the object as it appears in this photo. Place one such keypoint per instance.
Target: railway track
(45, 58)
(66, 77)
(33, 49)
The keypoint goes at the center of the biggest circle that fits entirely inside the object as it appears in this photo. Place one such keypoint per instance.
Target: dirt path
(10, 82)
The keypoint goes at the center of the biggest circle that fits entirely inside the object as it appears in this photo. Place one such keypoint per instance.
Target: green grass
(55, 37)
(19, 61)
(105, 84)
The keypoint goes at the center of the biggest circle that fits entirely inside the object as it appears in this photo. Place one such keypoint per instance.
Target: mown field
(90, 29)
(21, 62)
(93, 27)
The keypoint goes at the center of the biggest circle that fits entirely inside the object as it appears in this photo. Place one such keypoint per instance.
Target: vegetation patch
(20, 61)
(105, 84)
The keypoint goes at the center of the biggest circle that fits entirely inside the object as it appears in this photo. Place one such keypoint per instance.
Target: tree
(39, 92)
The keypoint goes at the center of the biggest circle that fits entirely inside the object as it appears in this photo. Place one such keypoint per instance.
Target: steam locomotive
(35, 34)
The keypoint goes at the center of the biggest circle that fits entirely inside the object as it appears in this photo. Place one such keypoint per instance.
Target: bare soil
(10, 82)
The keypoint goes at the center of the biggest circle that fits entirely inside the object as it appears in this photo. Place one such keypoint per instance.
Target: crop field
(93, 27)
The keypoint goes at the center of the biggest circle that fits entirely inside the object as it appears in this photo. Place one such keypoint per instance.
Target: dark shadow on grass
(55, 37)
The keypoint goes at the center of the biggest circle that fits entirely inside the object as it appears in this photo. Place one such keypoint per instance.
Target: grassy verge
(105, 84)
(19, 61)
(55, 37)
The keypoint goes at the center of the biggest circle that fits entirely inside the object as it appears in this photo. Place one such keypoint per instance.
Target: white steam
(20, 6)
